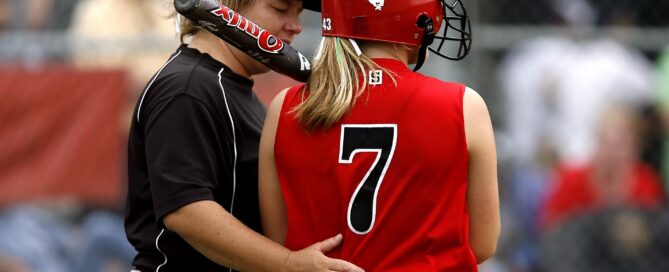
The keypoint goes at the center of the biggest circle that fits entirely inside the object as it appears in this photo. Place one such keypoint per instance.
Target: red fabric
(421, 221)
(61, 135)
(575, 194)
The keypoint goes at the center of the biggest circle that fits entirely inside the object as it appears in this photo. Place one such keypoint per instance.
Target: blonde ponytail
(335, 83)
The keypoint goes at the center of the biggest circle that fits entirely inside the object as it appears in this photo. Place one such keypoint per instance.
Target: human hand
(313, 258)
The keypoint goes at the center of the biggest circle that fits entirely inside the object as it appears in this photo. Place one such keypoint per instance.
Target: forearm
(219, 236)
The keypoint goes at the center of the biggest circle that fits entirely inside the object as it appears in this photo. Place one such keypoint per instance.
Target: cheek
(265, 20)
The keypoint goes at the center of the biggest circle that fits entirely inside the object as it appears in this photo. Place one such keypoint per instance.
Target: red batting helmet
(410, 22)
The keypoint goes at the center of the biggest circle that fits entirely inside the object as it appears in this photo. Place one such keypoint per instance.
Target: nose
(294, 26)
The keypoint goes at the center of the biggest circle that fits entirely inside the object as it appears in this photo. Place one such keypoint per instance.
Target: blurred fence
(621, 237)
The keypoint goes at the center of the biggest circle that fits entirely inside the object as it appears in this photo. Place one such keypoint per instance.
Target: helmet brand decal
(378, 4)
(266, 41)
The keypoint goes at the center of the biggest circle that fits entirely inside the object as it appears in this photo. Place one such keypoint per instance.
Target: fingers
(339, 265)
(335, 264)
(329, 244)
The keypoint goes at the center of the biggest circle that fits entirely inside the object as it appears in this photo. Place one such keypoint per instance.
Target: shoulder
(478, 125)
(474, 107)
(180, 74)
(473, 101)
(183, 73)
(292, 96)
(430, 91)
(435, 84)
(277, 103)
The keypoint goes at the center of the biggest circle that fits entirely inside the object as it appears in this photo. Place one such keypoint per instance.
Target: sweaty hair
(188, 28)
(335, 83)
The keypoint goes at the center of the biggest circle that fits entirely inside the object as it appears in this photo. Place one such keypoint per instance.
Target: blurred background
(578, 91)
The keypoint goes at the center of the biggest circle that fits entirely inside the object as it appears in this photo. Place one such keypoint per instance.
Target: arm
(215, 233)
(272, 206)
(482, 194)
(222, 238)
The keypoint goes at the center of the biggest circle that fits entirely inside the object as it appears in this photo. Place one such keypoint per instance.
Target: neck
(206, 42)
(386, 50)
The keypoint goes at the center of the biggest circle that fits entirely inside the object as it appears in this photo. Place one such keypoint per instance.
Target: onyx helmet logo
(378, 4)
(266, 41)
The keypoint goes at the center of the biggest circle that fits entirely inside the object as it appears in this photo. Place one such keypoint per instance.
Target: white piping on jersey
(152, 80)
(161, 252)
(234, 141)
(234, 145)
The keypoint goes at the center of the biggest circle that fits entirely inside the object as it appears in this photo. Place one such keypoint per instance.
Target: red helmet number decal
(327, 24)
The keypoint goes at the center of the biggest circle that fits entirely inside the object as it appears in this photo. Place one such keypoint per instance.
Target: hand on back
(313, 259)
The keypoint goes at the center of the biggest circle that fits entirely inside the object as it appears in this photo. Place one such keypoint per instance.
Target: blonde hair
(334, 85)
(187, 28)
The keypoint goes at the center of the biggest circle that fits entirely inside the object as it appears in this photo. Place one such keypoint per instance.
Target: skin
(482, 190)
(206, 225)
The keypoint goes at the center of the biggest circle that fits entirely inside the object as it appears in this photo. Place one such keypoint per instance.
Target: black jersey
(194, 136)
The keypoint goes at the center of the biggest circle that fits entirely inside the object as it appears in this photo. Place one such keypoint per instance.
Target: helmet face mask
(409, 22)
(454, 40)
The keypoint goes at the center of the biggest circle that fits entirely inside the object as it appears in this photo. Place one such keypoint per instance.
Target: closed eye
(280, 10)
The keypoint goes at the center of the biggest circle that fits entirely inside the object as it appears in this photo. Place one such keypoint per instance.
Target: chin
(261, 69)
(258, 68)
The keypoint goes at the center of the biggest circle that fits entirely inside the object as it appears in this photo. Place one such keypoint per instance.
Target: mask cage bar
(455, 13)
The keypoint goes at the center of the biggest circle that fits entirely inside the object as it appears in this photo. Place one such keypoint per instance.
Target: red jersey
(391, 176)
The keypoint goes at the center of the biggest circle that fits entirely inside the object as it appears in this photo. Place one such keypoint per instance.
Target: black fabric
(183, 148)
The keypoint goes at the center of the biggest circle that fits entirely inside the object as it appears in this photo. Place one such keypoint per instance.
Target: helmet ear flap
(427, 24)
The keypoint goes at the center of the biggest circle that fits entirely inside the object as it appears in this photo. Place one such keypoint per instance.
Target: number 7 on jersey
(380, 139)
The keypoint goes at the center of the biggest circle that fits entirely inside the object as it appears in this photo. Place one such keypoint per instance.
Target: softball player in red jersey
(401, 163)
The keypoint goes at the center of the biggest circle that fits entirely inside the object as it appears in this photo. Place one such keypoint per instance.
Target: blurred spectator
(556, 88)
(38, 235)
(35, 15)
(27, 29)
(4, 14)
(29, 14)
(610, 240)
(652, 133)
(57, 235)
(615, 177)
(663, 104)
(105, 246)
(133, 35)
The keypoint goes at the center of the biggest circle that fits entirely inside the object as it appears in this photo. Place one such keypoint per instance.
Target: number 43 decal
(380, 139)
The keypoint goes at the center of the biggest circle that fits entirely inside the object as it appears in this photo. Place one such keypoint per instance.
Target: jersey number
(380, 139)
